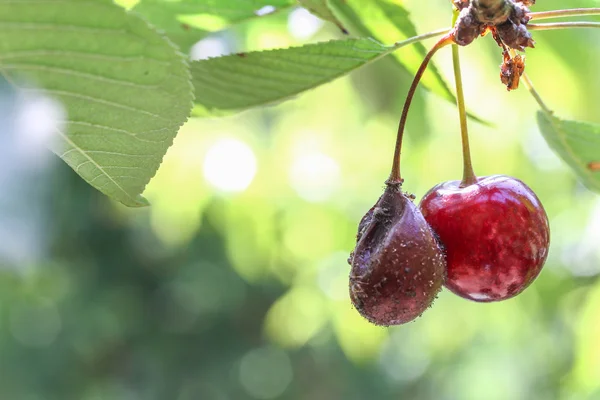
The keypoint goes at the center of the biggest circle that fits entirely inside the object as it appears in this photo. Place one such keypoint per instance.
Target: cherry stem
(469, 177)
(529, 85)
(573, 12)
(395, 177)
(562, 25)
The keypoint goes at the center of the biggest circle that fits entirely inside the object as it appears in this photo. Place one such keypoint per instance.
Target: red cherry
(495, 233)
(397, 265)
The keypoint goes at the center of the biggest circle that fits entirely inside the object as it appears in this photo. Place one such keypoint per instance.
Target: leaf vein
(72, 72)
(97, 100)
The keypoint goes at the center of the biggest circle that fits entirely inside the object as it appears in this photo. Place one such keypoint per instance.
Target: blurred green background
(233, 285)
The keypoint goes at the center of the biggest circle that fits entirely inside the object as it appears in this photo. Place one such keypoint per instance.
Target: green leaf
(187, 21)
(125, 89)
(246, 80)
(321, 9)
(577, 143)
(390, 22)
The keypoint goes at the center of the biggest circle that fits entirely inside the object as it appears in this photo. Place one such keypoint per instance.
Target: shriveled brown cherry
(397, 265)
(495, 233)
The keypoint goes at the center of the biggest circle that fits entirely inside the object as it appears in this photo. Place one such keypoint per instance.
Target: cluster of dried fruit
(485, 239)
(507, 21)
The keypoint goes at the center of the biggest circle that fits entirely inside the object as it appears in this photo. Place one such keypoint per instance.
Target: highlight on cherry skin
(397, 265)
(495, 234)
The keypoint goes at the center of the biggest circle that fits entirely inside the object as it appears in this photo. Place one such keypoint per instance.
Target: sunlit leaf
(389, 22)
(125, 89)
(322, 9)
(577, 143)
(246, 80)
(187, 21)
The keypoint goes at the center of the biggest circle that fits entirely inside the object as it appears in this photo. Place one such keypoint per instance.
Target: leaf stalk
(529, 85)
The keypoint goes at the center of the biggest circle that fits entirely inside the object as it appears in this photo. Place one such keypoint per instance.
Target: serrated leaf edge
(553, 121)
(137, 200)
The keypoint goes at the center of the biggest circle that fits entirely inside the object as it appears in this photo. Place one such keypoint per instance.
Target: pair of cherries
(486, 241)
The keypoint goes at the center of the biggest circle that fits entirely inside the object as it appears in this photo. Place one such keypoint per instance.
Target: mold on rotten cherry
(495, 233)
(397, 265)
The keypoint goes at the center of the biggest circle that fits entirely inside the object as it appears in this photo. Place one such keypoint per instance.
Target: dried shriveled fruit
(511, 71)
(508, 18)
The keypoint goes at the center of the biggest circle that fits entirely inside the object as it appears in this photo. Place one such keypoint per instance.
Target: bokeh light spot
(403, 363)
(230, 165)
(302, 24)
(266, 372)
(209, 48)
(265, 11)
(37, 122)
(296, 317)
(314, 176)
(360, 340)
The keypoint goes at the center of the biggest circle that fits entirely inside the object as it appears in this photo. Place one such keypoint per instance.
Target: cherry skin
(397, 265)
(495, 233)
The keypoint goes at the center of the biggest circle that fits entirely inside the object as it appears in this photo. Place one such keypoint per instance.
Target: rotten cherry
(397, 265)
